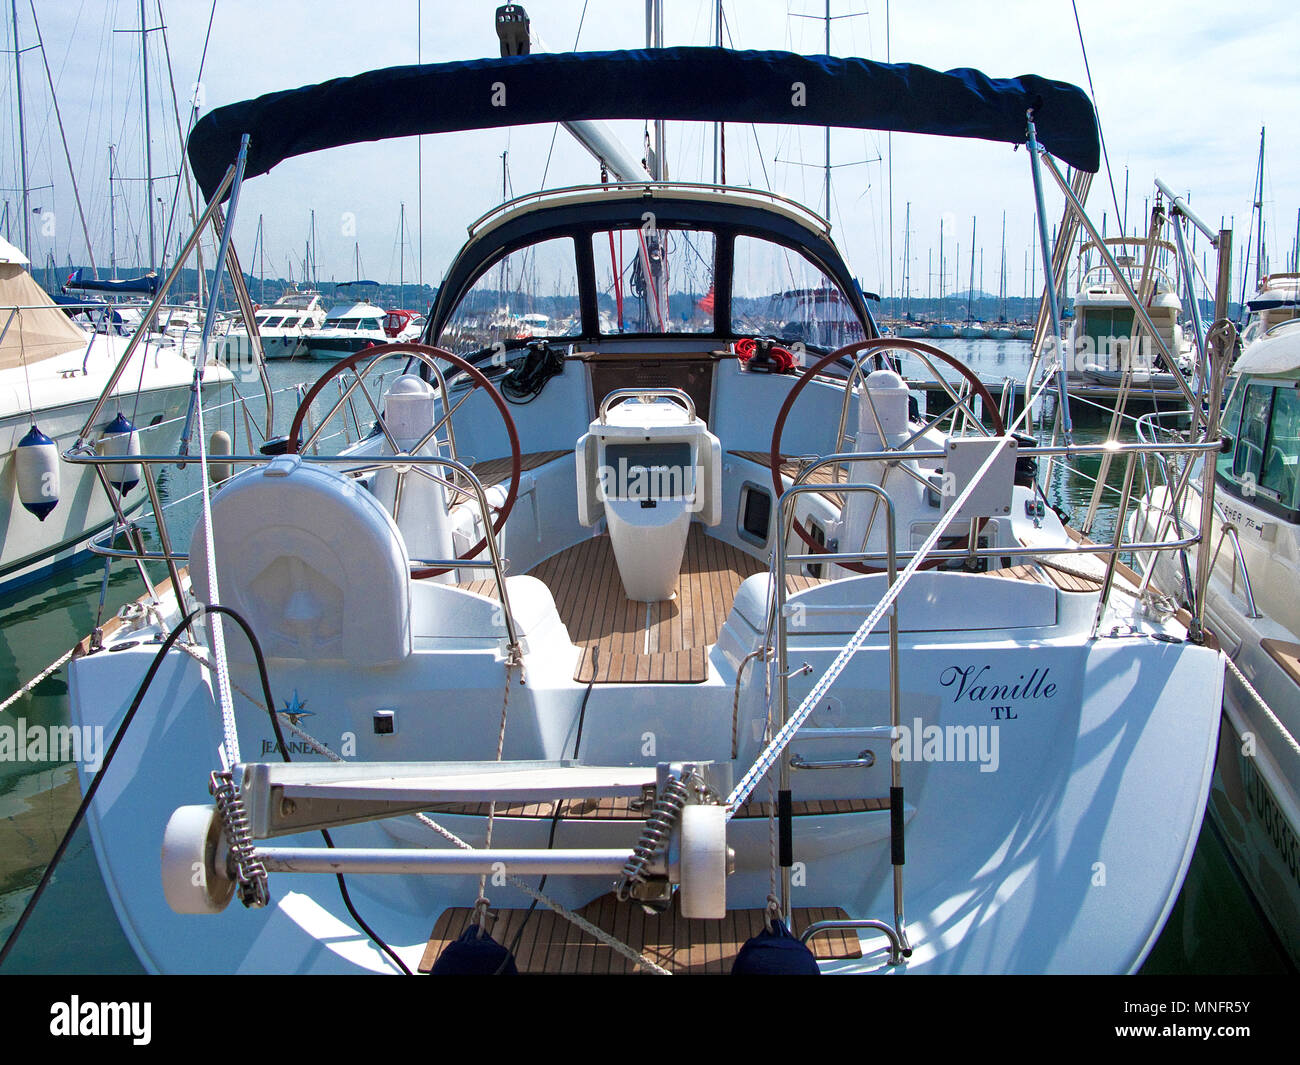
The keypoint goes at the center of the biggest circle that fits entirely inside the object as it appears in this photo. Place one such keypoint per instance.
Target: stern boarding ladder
(683, 843)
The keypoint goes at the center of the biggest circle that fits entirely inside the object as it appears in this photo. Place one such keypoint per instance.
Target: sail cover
(678, 84)
(147, 285)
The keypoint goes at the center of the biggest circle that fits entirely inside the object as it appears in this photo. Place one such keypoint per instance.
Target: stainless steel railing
(359, 465)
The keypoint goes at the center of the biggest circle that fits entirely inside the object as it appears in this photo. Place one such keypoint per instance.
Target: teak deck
(495, 471)
(548, 943)
(627, 641)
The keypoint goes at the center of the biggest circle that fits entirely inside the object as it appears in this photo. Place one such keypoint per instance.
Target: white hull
(1119, 759)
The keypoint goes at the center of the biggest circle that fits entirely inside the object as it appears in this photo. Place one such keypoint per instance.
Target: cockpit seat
(312, 561)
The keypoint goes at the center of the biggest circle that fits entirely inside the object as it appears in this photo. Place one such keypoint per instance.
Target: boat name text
(971, 685)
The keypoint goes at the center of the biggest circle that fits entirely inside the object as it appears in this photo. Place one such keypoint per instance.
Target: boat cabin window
(651, 280)
(271, 323)
(1283, 448)
(289, 323)
(1107, 334)
(531, 292)
(778, 292)
(1263, 422)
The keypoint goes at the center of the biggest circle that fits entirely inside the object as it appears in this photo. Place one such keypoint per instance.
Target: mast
(419, 162)
(941, 308)
(261, 243)
(401, 257)
(22, 136)
(717, 126)
(1033, 248)
(828, 128)
(907, 235)
(1259, 207)
(654, 38)
(1002, 281)
(970, 289)
(112, 217)
(148, 141)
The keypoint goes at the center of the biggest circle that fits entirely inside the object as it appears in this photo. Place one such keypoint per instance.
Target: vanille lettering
(968, 681)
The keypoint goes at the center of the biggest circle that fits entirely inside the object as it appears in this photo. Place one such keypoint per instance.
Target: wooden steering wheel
(425, 354)
(876, 346)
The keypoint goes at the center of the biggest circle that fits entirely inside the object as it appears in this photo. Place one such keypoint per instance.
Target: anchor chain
(254, 891)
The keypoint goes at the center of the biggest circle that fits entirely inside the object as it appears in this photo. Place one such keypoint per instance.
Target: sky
(1182, 90)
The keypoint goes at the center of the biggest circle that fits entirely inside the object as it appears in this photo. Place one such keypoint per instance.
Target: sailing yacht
(52, 374)
(647, 639)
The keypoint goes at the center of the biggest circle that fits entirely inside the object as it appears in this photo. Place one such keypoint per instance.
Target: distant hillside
(984, 306)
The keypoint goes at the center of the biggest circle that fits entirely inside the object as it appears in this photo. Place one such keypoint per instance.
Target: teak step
(548, 943)
(690, 666)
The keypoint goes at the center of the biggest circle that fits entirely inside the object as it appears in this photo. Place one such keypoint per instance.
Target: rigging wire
(1110, 177)
(555, 131)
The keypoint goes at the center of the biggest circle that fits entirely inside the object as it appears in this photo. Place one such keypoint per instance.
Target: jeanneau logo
(102, 1018)
(295, 709)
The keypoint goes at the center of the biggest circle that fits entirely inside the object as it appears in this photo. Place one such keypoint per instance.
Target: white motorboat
(1253, 606)
(52, 373)
(1276, 300)
(1106, 345)
(681, 648)
(283, 328)
(348, 328)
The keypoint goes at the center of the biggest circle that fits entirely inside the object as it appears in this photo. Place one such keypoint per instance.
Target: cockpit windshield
(777, 292)
(614, 266)
(651, 280)
(531, 292)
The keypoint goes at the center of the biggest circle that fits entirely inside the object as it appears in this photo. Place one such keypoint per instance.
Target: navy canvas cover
(678, 84)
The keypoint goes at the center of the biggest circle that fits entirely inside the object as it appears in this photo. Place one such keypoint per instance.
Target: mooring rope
(51, 668)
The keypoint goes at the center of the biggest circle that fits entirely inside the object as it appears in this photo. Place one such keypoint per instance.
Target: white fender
(36, 462)
(121, 438)
(219, 444)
